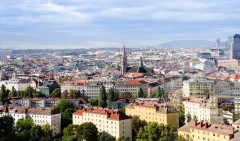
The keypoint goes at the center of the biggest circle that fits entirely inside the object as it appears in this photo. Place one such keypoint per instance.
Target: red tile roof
(136, 82)
(111, 114)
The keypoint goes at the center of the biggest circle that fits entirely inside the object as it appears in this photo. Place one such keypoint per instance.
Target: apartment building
(92, 90)
(18, 84)
(132, 86)
(227, 91)
(40, 116)
(154, 112)
(169, 85)
(198, 88)
(44, 102)
(203, 110)
(113, 122)
(237, 105)
(208, 131)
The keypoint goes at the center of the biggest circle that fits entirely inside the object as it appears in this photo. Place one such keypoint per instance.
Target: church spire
(141, 62)
(124, 61)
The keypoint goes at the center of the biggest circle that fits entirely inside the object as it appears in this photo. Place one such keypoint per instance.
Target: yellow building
(154, 112)
(199, 131)
(113, 122)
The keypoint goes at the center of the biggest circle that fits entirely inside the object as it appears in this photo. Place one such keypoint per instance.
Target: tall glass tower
(235, 47)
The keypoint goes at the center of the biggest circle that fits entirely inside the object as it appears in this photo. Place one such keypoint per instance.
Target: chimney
(201, 124)
(206, 125)
(195, 122)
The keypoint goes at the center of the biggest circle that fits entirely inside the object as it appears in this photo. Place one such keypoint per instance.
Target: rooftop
(111, 114)
(208, 126)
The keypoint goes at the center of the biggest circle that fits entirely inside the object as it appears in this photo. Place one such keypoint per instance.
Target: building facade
(235, 47)
(40, 116)
(152, 112)
(203, 111)
(206, 131)
(44, 102)
(113, 122)
(198, 88)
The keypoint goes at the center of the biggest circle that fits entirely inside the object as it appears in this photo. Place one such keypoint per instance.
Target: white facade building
(113, 122)
(40, 116)
(203, 111)
(18, 84)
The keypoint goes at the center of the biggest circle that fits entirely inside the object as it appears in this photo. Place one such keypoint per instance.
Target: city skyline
(77, 23)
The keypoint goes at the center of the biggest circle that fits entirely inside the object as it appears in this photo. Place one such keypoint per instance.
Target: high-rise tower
(124, 61)
(235, 47)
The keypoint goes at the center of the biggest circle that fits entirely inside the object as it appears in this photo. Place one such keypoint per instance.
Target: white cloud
(82, 11)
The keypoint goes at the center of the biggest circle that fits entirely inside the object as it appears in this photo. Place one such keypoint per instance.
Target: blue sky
(107, 23)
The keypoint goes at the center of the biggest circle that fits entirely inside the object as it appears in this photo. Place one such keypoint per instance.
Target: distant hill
(188, 43)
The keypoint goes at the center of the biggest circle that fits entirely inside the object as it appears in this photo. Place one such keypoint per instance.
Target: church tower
(141, 62)
(124, 62)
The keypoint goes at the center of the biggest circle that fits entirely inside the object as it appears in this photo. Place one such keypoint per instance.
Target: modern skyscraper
(124, 62)
(235, 47)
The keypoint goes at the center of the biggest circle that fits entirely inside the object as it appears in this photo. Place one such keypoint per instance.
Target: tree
(150, 132)
(24, 127)
(123, 139)
(73, 94)
(93, 102)
(164, 94)
(155, 132)
(102, 97)
(66, 108)
(136, 125)
(118, 67)
(61, 80)
(110, 96)
(197, 88)
(70, 133)
(12, 93)
(24, 124)
(88, 132)
(180, 138)
(159, 93)
(125, 95)
(24, 135)
(6, 128)
(189, 117)
(3, 92)
(56, 93)
(47, 130)
(65, 94)
(140, 93)
(225, 121)
(67, 117)
(29, 92)
(103, 136)
(181, 119)
(36, 132)
(64, 104)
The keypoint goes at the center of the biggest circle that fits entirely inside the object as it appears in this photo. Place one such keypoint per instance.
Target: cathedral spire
(124, 61)
(141, 62)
